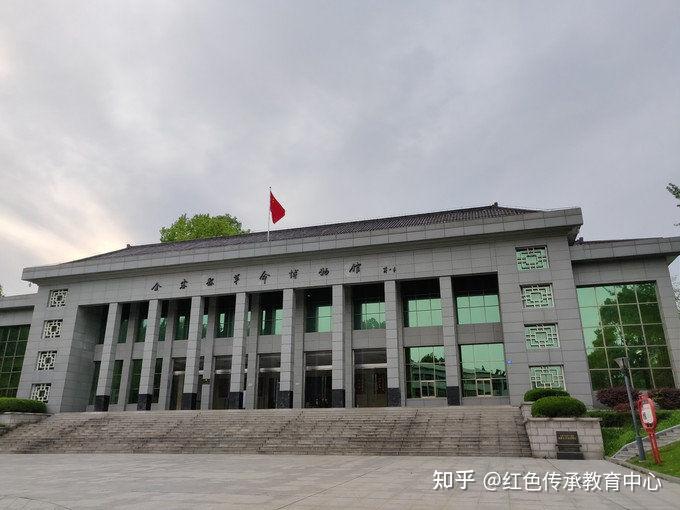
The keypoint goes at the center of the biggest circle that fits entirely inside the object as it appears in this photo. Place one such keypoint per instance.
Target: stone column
(127, 348)
(208, 355)
(299, 368)
(166, 372)
(450, 344)
(101, 402)
(348, 361)
(250, 398)
(193, 353)
(392, 344)
(238, 352)
(285, 396)
(338, 346)
(149, 357)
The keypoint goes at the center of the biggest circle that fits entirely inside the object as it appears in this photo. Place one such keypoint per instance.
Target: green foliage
(675, 191)
(670, 458)
(610, 419)
(201, 226)
(537, 393)
(2, 292)
(553, 407)
(21, 405)
(617, 437)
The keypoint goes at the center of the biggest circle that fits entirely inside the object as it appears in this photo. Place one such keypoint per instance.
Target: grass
(616, 437)
(670, 457)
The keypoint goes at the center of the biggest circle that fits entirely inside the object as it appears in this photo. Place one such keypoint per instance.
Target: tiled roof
(432, 218)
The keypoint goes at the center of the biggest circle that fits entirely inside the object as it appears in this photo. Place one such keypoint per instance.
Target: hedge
(668, 398)
(536, 393)
(554, 407)
(614, 419)
(21, 405)
(611, 397)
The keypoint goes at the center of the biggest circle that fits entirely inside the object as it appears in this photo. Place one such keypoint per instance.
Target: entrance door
(370, 387)
(177, 387)
(318, 388)
(221, 390)
(267, 389)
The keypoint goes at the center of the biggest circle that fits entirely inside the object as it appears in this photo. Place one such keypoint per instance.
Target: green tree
(2, 293)
(202, 226)
(675, 191)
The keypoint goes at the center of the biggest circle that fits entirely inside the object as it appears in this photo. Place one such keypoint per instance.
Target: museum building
(468, 306)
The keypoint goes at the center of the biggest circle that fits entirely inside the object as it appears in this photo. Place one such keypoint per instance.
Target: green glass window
(124, 321)
(115, 381)
(271, 313)
(182, 319)
(483, 370)
(163, 322)
(143, 319)
(477, 299)
(13, 341)
(224, 316)
(422, 304)
(425, 372)
(624, 321)
(158, 370)
(135, 377)
(95, 382)
(318, 311)
(369, 307)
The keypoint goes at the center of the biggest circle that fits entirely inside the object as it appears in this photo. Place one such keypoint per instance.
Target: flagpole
(269, 212)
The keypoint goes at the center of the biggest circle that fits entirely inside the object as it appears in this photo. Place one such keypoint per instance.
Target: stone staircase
(465, 430)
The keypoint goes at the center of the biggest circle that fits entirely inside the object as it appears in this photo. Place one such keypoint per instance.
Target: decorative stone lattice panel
(547, 376)
(57, 298)
(541, 336)
(40, 392)
(46, 360)
(52, 329)
(530, 259)
(537, 296)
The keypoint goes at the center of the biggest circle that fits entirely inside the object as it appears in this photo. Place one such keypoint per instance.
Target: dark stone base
(189, 401)
(338, 398)
(284, 400)
(570, 455)
(144, 402)
(235, 400)
(393, 397)
(453, 395)
(101, 403)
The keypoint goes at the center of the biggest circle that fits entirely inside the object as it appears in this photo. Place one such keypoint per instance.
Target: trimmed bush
(537, 393)
(21, 405)
(622, 407)
(558, 407)
(668, 398)
(616, 395)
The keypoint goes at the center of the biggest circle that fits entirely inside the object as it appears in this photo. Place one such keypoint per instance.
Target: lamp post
(625, 370)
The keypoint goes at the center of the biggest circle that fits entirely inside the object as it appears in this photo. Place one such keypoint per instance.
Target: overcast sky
(116, 117)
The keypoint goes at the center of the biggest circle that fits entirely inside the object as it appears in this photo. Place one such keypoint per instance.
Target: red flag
(275, 208)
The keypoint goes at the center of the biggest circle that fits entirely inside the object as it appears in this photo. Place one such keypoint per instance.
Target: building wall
(77, 347)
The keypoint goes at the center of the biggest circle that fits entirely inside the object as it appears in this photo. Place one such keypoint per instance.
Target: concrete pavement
(297, 482)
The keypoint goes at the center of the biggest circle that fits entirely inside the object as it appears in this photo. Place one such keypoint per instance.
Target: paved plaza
(309, 482)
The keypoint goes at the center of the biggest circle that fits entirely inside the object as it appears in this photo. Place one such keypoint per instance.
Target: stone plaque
(568, 445)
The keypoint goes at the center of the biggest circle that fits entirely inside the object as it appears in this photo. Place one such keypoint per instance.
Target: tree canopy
(675, 191)
(201, 226)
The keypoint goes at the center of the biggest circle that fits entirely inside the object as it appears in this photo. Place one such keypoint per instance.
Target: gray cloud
(115, 117)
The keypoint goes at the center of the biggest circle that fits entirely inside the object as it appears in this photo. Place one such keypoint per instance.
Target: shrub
(552, 407)
(616, 395)
(609, 419)
(622, 407)
(537, 393)
(21, 405)
(668, 398)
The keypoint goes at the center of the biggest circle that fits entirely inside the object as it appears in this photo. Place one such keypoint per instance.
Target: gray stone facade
(400, 251)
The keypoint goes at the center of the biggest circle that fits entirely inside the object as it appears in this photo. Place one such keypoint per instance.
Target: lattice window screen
(52, 329)
(547, 376)
(541, 336)
(530, 259)
(57, 298)
(537, 296)
(46, 360)
(40, 392)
